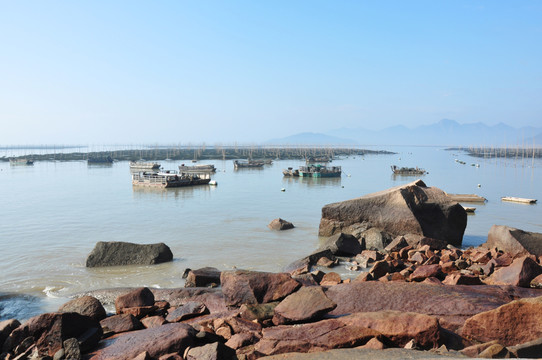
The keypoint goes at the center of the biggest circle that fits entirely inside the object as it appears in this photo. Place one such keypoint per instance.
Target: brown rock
(432, 281)
(520, 273)
(280, 224)
(165, 339)
(425, 271)
(121, 323)
(325, 262)
(330, 279)
(503, 260)
(537, 282)
(153, 321)
(396, 245)
(206, 276)
(363, 276)
(460, 279)
(322, 335)
(412, 208)
(451, 304)
(433, 243)
(448, 267)
(86, 305)
(238, 341)
(214, 351)
(71, 349)
(417, 257)
(495, 351)
(189, 310)
(50, 330)
(6, 327)
(305, 264)
(252, 287)
(140, 311)
(173, 356)
(212, 298)
(374, 343)
(398, 326)
(379, 269)
(510, 324)
(342, 245)
(136, 298)
(376, 239)
(307, 304)
(258, 312)
(516, 242)
(530, 349)
(474, 350)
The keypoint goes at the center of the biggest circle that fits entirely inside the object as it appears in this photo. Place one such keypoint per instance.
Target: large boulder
(85, 305)
(161, 340)
(516, 242)
(123, 253)
(254, 287)
(408, 209)
(307, 304)
(520, 273)
(511, 324)
(50, 330)
(452, 305)
(207, 276)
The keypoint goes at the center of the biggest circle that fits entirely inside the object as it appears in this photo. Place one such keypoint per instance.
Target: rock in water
(280, 224)
(122, 253)
(514, 241)
(408, 209)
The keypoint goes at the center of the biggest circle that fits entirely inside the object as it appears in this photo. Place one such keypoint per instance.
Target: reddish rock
(537, 282)
(189, 310)
(503, 260)
(258, 312)
(397, 244)
(330, 279)
(474, 350)
(121, 323)
(481, 257)
(448, 267)
(425, 271)
(363, 276)
(411, 208)
(342, 245)
(206, 276)
(50, 330)
(516, 242)
(252, 287)
(319, 336)
(460, 279)
(139, 312)
(214, 351)
(280, 224)
(136, 298)
(238, 341)
(432, 281)
(432, 260)
(417, 257)
(85, 305)
(379, 269)
(398, 326)
(510, 324)
(325, 262)
(520, 273)
(495, 351)
(153, 321)
(239, 325)
(307, 279)
(451, 304)
(173, 356)
(374, 344)
(212, 298)
(307, 304)
(165, 339)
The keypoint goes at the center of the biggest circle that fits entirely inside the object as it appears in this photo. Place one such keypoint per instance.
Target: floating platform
(518, 200)
(472, 198)
(469, 209)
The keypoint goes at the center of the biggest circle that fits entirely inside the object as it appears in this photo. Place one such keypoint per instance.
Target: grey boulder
(123, 253)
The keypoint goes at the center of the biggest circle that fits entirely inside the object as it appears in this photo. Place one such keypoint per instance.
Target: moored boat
(167, 179)
(136, 165)
(200, 168)
(319, 171)
(407, 170)
(237, 164)
(290, 172)
(320, 159)
(21, 161)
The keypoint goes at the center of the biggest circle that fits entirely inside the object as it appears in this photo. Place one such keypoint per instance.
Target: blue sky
(74, 72)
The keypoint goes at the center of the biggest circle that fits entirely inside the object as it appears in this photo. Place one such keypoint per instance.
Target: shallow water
(53, 213)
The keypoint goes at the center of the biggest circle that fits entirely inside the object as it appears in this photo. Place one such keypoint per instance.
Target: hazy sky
(75, 72)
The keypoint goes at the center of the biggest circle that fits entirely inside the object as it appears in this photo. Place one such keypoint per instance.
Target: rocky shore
(416, 296)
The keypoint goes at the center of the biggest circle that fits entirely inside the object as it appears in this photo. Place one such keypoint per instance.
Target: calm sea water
(53, 213)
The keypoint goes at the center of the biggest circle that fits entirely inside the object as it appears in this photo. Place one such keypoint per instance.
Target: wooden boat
(21, 161)
(407, 170)
(237, 164)
(202, 168)
(518, 200)
(320, 171)
(321, 159)
(141, 165)
(100, 160)
(471, 198)
(167, 179)
(290, 172)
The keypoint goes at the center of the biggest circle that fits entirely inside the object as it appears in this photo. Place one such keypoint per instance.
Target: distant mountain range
(445, 132)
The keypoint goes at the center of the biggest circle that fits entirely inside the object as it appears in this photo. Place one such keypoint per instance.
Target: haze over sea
(53, 213)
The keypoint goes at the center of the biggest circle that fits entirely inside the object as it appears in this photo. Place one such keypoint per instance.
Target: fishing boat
(237, 164)
(320, 171)
(200, 168)
(407, 170)
(21, 161)
(141, 165)
(291, 172)
(167, 179)
(320, 159)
